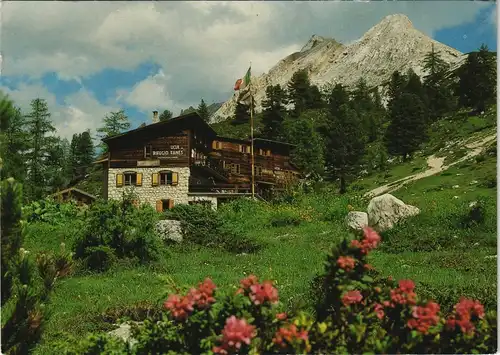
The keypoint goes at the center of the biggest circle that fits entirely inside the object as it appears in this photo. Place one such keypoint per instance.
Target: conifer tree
(299, 91)
(345, 145)
(166, 115)
(241, 114)
(14, 142)
(396, 87)
(114, 123)
(436, 85)
(308, 152)
(407, 129)
(477, 87)
(274, 112)
(337, 97)
(39, 125)
(203, 111)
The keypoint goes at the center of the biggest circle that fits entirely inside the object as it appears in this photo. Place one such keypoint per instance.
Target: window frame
(133, 182)
(150, 148)
(166, 181)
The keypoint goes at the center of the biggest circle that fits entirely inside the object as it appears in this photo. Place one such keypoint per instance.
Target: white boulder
(356, 220)
(169, 229)
(386, 210)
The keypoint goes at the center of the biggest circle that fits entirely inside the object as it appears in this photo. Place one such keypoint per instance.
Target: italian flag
(243, 83)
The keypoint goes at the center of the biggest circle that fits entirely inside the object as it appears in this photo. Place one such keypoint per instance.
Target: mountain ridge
(392, 44)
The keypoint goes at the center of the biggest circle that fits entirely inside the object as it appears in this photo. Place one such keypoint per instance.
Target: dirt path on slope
(435, 164)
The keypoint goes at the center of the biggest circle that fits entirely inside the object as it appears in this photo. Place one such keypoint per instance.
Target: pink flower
(352, 297)
(249, 281)
(281, 316)
(346, 262)
(236, 332)
(370, 241)
(424, 317)
(466, 311)
(379, 310)
(286, 335)
(264, 292)
(179, 307)
(404, 294)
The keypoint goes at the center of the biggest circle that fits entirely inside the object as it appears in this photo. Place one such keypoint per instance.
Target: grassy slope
(424, 248)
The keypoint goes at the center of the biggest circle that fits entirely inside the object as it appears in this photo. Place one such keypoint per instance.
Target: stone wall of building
(147, 192)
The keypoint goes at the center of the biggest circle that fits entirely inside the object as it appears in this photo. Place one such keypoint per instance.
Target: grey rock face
(386, 210)
(357, 220)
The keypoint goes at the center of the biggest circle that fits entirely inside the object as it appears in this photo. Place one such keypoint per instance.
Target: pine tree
(39, 125)
(299, 91)
(14, 144)
(274, 112)
(345, 145)
(396, 87)
(477, 88)
(407, 129)
(337, 97)
(55, 166)
(437, 87)
(241, 114)
(11, 237)
(362, 102)
(166, 115)
(203, 111)
(308, 152)
(414, 86)
(114, 123)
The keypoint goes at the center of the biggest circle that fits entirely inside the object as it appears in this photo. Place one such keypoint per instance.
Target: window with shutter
(155, 179)
(175, 179)
(167, 204)
(249, 149)
(159, 206)
(148, 151)
(138, 181)
(130, 178)
(119, 180)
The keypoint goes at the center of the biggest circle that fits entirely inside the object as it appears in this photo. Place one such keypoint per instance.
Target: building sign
(148, 163)
(174, 152)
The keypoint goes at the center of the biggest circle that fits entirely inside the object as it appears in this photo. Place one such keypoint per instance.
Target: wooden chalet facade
(183, 160)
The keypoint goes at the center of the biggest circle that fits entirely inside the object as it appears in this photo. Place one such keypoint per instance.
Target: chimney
(156, 119)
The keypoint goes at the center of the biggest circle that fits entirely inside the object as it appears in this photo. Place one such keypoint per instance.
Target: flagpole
(251, 135)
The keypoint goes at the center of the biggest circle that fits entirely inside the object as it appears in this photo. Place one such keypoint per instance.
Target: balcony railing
(213, 164)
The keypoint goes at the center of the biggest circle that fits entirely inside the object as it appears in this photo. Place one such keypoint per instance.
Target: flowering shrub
(355, 315)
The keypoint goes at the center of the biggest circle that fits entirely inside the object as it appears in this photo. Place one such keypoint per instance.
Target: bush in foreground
(355, 315)
(117, 230)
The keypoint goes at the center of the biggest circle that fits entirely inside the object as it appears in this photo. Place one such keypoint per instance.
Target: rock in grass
(124, 332)
(169, 230)
(357, 220)
(386, 210)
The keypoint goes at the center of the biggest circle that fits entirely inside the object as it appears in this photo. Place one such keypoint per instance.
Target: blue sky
(87, 59)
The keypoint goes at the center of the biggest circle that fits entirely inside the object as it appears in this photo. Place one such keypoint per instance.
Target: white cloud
(201, 46)
(149, 94)
(80, 111)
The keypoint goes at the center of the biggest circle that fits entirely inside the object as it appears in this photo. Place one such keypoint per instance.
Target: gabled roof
(71, 189)
(193, 117)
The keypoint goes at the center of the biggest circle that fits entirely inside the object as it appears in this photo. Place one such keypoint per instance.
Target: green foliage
(273, 113)
(203, 111)
(437, 86)
(121, 227)
(302, 94)
(50, 211)
(82, 154)
(241, 114)
(408, 129)
(13, 140)
(307, 153)
(12, 237)
(114, 123)
(204, 226)
(345, 144)
(99, 258)
(477, 88)
(38, 126)
(357, 312)
(166, 115)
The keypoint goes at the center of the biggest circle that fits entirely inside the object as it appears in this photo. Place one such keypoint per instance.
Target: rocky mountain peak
(313, 42)
(392, 44)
